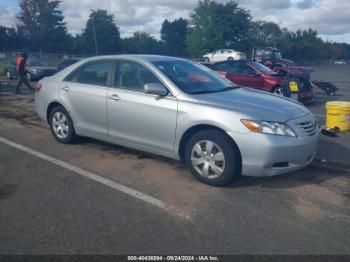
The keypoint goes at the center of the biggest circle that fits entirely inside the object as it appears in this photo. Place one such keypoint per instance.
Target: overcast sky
(330, 17)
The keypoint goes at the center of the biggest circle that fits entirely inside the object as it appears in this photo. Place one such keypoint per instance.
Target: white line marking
(319, 115)
(107, 182)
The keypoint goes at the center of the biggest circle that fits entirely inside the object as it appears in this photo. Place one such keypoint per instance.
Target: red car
(255, 75)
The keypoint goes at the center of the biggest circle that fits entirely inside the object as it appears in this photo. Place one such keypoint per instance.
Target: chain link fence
(49, 58)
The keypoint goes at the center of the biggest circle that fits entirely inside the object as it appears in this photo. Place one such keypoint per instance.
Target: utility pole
(93, 29)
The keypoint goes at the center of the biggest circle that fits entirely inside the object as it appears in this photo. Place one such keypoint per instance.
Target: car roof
(242, 61)
(139, 57)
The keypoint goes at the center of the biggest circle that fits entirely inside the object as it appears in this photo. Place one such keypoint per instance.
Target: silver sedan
(182, 110)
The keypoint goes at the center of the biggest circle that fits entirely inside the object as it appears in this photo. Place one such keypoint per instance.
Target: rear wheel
(230, 58)
(213, 158)
(206, 60)
(61, 125)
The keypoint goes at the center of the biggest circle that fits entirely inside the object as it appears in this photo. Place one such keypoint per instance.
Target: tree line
(211, 25)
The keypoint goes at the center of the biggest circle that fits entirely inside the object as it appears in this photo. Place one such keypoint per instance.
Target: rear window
(92, 73)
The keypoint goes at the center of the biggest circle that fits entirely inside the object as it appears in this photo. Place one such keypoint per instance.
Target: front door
(138, 118)
(244, 75)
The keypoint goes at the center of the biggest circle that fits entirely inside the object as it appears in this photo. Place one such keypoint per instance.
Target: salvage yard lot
(51, 209)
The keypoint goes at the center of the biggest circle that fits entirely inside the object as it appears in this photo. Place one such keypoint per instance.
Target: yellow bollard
(338, 115)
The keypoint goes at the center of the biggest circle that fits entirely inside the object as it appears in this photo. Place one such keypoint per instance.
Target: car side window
(92, 73)
(247, 70)
(222, 67)
(133, 76)
(241, 69)
(235, 68)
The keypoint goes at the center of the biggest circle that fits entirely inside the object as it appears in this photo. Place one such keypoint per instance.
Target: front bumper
(269, 155)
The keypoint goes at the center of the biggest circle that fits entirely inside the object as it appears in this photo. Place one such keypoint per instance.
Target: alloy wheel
(60, 125)
(278, 91)
(208, 159)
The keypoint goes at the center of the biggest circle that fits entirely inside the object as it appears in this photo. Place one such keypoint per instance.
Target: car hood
(255, 104)
(42, 67)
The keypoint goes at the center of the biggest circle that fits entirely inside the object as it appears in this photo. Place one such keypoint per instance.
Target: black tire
(230, 59)
(206, 60)
(232, 169)
(330, 92)
(274, 90)
(8, 75)
(71, 136)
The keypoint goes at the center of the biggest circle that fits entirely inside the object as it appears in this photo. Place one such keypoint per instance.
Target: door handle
(114, 97)
(66, 89)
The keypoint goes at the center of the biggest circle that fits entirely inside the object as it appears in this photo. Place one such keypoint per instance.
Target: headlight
(271, 128)
(33, 70)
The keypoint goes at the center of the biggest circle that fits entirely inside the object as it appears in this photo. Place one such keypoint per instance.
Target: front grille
(308, 127)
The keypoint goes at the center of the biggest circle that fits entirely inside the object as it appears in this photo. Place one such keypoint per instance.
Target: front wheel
(8, 75)
(213, 158)
(230, 59)
(278, 91)
(29, 77)
(61, 125)
(206, 60)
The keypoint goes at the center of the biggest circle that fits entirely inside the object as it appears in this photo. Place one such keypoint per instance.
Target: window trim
(109, 77)
(116, 86)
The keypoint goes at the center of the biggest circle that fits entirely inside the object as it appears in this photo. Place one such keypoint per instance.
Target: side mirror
(257, 74)
(155, 89)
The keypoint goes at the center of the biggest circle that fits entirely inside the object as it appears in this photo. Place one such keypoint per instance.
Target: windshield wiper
(228, 88)
(203, 92)
(214, 91)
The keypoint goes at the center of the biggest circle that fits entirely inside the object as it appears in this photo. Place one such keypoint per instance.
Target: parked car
(255, 75)
(340, 62)
(222, 55)
(182, 110)
(67, 62)
(37, 69)
(272, 58)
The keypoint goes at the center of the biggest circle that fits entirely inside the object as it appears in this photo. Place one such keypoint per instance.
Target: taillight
(38, 87)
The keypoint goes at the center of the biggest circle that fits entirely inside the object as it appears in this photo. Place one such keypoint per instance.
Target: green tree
(42, 25)
(303, 45)
(174, 35)
(8, 39)
(218, 25)
(101, 24)
(266, 33)
(141, 43)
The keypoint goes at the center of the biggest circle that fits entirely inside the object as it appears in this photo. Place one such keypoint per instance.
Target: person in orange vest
(22, 72)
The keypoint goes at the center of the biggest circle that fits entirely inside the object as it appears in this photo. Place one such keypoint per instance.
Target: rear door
(84, 93)
(135, 117)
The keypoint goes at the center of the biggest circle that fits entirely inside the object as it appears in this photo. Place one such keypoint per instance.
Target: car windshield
(36, 62)
(276, 55)
(263, 69)
(193, 78)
